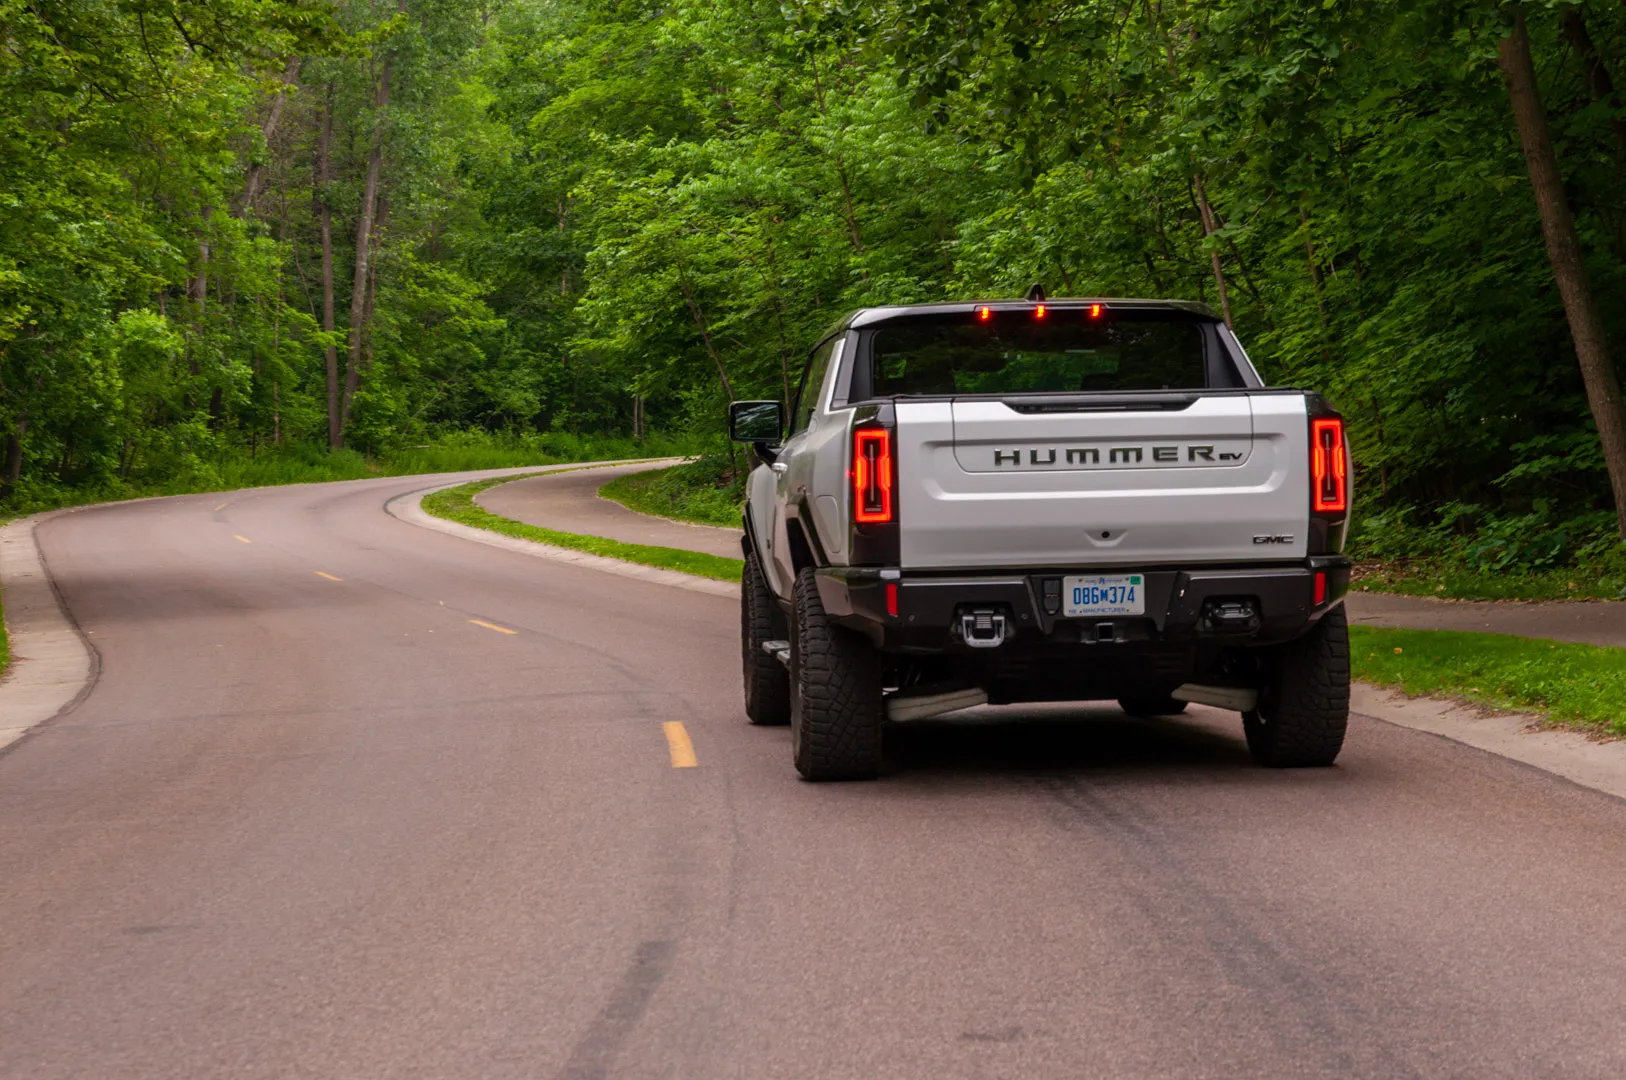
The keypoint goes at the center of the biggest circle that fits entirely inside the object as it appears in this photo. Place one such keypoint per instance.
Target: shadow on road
(1072, 739)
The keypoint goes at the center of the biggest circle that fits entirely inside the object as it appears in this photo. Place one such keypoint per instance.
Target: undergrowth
(707, 491)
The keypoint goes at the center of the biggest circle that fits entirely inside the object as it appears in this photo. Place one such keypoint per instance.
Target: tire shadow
(1066, 739)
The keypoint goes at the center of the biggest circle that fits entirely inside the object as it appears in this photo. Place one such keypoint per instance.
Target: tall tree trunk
(1210, 227)
(352, 376)
(256, 171)
(1573, 24)
(364, 234)
(324, 174)
(14, 455)
(705, 336)
(1564, 253)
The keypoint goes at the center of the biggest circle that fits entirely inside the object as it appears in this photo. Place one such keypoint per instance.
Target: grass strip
(689, 492)
(5, 649)
(1578, 686)
(457, 504)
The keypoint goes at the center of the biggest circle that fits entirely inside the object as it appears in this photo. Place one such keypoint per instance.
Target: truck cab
(1042, 500)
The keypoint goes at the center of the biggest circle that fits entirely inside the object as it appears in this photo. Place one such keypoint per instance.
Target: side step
(1220, 697)
(920, 706)
(779, 650)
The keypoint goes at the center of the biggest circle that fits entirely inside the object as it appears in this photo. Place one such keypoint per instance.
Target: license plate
(1110, 594)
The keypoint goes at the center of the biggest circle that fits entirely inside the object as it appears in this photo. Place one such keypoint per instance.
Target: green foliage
(595, 210)
(1579, 686)
(708, 491)
(457, 504)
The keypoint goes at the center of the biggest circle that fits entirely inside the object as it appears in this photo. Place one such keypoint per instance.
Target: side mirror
(758, 422)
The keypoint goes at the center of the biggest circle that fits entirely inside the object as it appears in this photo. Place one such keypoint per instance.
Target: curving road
(356, 799)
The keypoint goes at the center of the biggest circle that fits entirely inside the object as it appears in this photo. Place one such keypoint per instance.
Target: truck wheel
(1304, 702)
(767, 683)
(1163, 706)
(835, 682)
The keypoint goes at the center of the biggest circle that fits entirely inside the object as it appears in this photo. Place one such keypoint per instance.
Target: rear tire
(835, 681)
(1164, 706)
(767, 683)
(1304, 703)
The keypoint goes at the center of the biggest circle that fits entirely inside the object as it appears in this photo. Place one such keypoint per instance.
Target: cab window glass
(814, 383)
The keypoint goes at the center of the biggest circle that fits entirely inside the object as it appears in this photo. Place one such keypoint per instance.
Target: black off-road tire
(767, 683)
(835, 683)
(1304, 703)
(1159, 706)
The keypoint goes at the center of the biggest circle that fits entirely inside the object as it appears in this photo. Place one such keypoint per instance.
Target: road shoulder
(52, 665)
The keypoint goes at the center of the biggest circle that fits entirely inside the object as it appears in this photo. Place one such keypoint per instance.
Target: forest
(245, 240)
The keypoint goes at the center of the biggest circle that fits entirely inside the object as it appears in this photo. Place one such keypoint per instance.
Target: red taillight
(985, 313)
(1329, 466)
(1038, 312)
(872, 476)
(1095, 311)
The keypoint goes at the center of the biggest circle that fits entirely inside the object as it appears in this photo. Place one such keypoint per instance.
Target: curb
(52, 666)
(409, 508)
(1519, 737)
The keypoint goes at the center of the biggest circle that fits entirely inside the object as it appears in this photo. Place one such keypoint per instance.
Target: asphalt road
(307, 827)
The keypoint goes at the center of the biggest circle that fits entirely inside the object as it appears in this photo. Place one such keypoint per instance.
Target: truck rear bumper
(924, 612)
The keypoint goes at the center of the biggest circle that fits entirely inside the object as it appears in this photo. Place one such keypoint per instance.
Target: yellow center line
(677, 741)
(244, 539)
(330, 577)
(493, 626)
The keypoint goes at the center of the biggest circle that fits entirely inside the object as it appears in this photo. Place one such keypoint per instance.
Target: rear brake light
(985, 313)
(1095, 311)
(1329, 466)
(872, 476)
(1038, 312)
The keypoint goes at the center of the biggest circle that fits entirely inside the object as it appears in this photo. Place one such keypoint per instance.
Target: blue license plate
(1107, 594)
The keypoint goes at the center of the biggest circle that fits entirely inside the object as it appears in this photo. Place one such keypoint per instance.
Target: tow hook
(983, 629)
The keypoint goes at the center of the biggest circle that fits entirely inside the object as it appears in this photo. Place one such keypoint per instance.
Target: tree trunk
(1210, 227)
(1573, 24)
(705, 336)
(352, 377)
(256, 171)
(324, 173)
(1564, 253)
(364, 234)
(14, 456)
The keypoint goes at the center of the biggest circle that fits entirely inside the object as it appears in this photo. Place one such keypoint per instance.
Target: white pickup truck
(1042, 500)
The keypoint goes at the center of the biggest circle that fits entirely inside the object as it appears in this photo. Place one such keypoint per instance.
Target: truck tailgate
(1177, 478)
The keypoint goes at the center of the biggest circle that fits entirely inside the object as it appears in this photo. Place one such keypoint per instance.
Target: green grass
(457, 504)
(1580, 686)
(703, 492)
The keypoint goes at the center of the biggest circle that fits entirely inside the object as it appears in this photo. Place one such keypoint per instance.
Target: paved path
(569, 502)
(357, 799)
(1592, 622)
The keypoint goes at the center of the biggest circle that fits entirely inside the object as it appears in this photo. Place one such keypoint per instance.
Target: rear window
(1014, 353)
